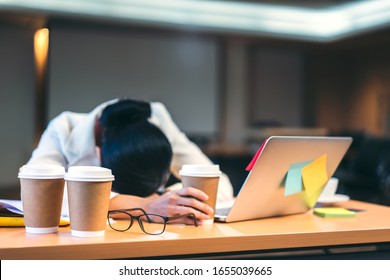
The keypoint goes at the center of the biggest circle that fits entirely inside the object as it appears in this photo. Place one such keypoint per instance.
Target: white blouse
(69, 140)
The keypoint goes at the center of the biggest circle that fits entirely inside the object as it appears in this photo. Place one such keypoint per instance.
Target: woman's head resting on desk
(138, 153)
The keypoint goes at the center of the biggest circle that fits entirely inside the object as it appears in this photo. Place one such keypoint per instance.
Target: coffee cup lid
(203, 170)
(89, 173)
(41, 171)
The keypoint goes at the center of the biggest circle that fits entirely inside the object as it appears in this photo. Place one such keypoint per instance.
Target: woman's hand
(175, 202)
(181, 201)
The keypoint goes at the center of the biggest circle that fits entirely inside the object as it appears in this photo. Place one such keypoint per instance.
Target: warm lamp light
(41, 48)
(41, 51)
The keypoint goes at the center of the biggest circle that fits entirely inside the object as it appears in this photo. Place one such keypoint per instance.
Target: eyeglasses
(149, 223)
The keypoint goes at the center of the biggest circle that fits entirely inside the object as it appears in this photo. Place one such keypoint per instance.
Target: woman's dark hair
(137, 152)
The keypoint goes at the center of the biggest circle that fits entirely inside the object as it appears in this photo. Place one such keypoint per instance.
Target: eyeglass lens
(120, 224)
(152, 224)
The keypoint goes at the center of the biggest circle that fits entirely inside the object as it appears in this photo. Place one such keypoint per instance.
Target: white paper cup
(89, 190)
(42, 190)
(205, 178)
(200, 170)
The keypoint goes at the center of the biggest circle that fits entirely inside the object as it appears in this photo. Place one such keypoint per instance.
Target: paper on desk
(294, 182)
(16, 206)
(11, 214)
(314, 176)
(13, 206)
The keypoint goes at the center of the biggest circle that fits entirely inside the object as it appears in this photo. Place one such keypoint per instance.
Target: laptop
(262, 194)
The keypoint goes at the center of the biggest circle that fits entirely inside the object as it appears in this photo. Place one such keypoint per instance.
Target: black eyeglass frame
(146, 215)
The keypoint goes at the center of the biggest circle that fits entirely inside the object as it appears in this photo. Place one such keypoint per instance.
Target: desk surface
(371, 225)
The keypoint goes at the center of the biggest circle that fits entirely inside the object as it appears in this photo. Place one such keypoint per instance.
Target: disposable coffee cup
(42, 190)
(89, 190)
(205, 178)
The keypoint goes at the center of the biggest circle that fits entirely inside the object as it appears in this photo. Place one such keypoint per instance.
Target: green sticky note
(333, 212)
(294, 178)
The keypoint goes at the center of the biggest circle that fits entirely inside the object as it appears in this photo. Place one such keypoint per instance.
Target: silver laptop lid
(262, 194)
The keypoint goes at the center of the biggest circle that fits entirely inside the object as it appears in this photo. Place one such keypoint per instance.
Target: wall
(16, 100)
(89, 65)
(329, 86)
(350, 87)
(276, 97)
(370, 108)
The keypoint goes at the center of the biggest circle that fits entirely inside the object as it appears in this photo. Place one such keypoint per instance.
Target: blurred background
(231, 73)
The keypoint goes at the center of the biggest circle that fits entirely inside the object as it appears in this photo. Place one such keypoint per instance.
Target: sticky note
(334, 212)
(312, 199)
(254, 159)
(314, 177)
(294, 182)
(19, 222)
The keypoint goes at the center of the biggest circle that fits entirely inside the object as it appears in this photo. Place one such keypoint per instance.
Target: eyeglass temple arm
(131, 209)
(184, 216)
(143, 213)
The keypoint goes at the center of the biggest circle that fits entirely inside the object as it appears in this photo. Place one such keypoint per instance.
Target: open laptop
(263, 195)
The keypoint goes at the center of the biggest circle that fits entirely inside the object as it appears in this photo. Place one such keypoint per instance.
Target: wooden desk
(370, 226)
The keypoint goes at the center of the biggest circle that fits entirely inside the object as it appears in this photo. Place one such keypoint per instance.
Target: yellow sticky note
(11, 221)
(19, 222)
(334, 212)
(312, 199)
(314, 177)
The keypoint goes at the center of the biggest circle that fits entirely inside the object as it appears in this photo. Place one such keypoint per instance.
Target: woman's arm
(185, 151)
(175, 202)
(50, 146)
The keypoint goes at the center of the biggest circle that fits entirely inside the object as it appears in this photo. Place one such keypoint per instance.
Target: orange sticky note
(314, 176)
